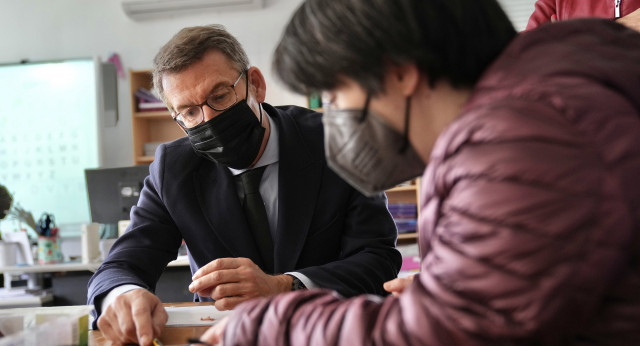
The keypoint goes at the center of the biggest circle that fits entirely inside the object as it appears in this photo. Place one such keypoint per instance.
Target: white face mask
(366, 152)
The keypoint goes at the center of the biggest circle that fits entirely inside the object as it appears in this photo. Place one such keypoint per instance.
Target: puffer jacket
(569, 9)
(530, 222)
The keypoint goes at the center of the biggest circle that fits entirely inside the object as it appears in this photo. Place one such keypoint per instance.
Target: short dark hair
(454, 40)
(189, 45)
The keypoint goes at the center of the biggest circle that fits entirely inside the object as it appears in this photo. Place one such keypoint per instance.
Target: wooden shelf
(148, 127)
(406, 193)
(402, 188)
(408, 235)
(144, 159)
(152, 114)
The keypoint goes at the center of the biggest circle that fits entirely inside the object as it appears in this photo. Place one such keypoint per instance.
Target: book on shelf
(146, 96)
(147, 102)
(151, 106)
(405, 216)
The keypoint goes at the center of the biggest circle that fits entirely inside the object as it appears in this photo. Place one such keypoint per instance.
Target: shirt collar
(271, 153)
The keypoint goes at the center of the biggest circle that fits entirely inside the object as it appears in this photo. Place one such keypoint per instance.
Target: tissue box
(68, 325)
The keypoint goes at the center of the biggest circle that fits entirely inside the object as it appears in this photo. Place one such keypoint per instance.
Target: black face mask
(233, 138)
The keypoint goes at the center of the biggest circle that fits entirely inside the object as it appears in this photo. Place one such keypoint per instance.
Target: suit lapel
(299, 177)
(218, 198)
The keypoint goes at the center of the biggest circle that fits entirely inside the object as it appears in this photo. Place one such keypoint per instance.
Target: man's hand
(213, 335)
(632, 20)
(136, 316)
(230, 281)
(396, 286)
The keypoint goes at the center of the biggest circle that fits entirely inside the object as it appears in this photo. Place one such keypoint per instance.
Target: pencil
(197, 341)
(157, 342)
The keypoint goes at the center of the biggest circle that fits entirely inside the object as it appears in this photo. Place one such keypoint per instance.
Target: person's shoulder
(179, 149)
(306, 122)
(299, 127)
(300, 115)
(176, 156)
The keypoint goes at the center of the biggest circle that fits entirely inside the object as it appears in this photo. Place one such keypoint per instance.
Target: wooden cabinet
(406, 194)
(148, 127)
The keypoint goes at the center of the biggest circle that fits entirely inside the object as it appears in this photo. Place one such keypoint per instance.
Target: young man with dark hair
(250, 193)
(530, 201)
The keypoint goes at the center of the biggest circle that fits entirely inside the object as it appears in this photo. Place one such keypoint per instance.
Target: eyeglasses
(221, 100)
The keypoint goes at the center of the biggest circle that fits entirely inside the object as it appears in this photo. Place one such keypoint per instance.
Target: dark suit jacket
(328, 231)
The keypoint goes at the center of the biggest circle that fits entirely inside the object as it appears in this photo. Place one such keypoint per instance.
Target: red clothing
(530, 222)
(568, 9)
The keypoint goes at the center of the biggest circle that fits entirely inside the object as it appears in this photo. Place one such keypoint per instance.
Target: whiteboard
(48, 136)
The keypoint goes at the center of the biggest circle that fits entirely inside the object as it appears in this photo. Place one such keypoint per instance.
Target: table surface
(73, 266)
(170, 335)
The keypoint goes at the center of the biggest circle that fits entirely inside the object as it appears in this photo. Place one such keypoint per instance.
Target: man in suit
(316, 230)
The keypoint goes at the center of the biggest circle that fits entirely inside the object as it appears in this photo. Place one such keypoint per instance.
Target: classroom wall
(44, 30)
(518, 11)
(40, 30)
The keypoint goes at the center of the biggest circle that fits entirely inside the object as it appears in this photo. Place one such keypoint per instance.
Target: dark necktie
(257, 215)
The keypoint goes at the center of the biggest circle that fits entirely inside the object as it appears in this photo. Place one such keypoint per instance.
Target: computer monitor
(113, 191)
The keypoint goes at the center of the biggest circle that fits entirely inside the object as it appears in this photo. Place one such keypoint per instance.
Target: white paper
(203, 315)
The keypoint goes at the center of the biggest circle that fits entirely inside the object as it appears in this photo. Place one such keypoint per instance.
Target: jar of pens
(48, 240)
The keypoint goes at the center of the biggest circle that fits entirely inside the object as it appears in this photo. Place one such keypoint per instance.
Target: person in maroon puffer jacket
(626, 12)
(529, 229)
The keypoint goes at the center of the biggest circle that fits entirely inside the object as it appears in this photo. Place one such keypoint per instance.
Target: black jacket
(327, 230)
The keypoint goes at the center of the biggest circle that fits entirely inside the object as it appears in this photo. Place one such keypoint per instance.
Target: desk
(30, 270)
(63, 267)
(34, 281)
(74, 266)
(170, 335)
(69, 284)
(21, 298)
(44, 325)
(177, 335)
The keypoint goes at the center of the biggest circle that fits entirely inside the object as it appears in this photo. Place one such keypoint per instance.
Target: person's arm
(231, 281)
(114, 293)
(544, 12)
(397, 286)
(368, 257)
(140, 255)
(136, 316)
(308, 284)
(130, 261)
(507, 259)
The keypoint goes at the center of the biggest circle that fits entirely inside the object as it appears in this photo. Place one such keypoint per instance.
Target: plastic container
(8, 253)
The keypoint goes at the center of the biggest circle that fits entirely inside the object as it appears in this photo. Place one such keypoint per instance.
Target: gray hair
(189, 45)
